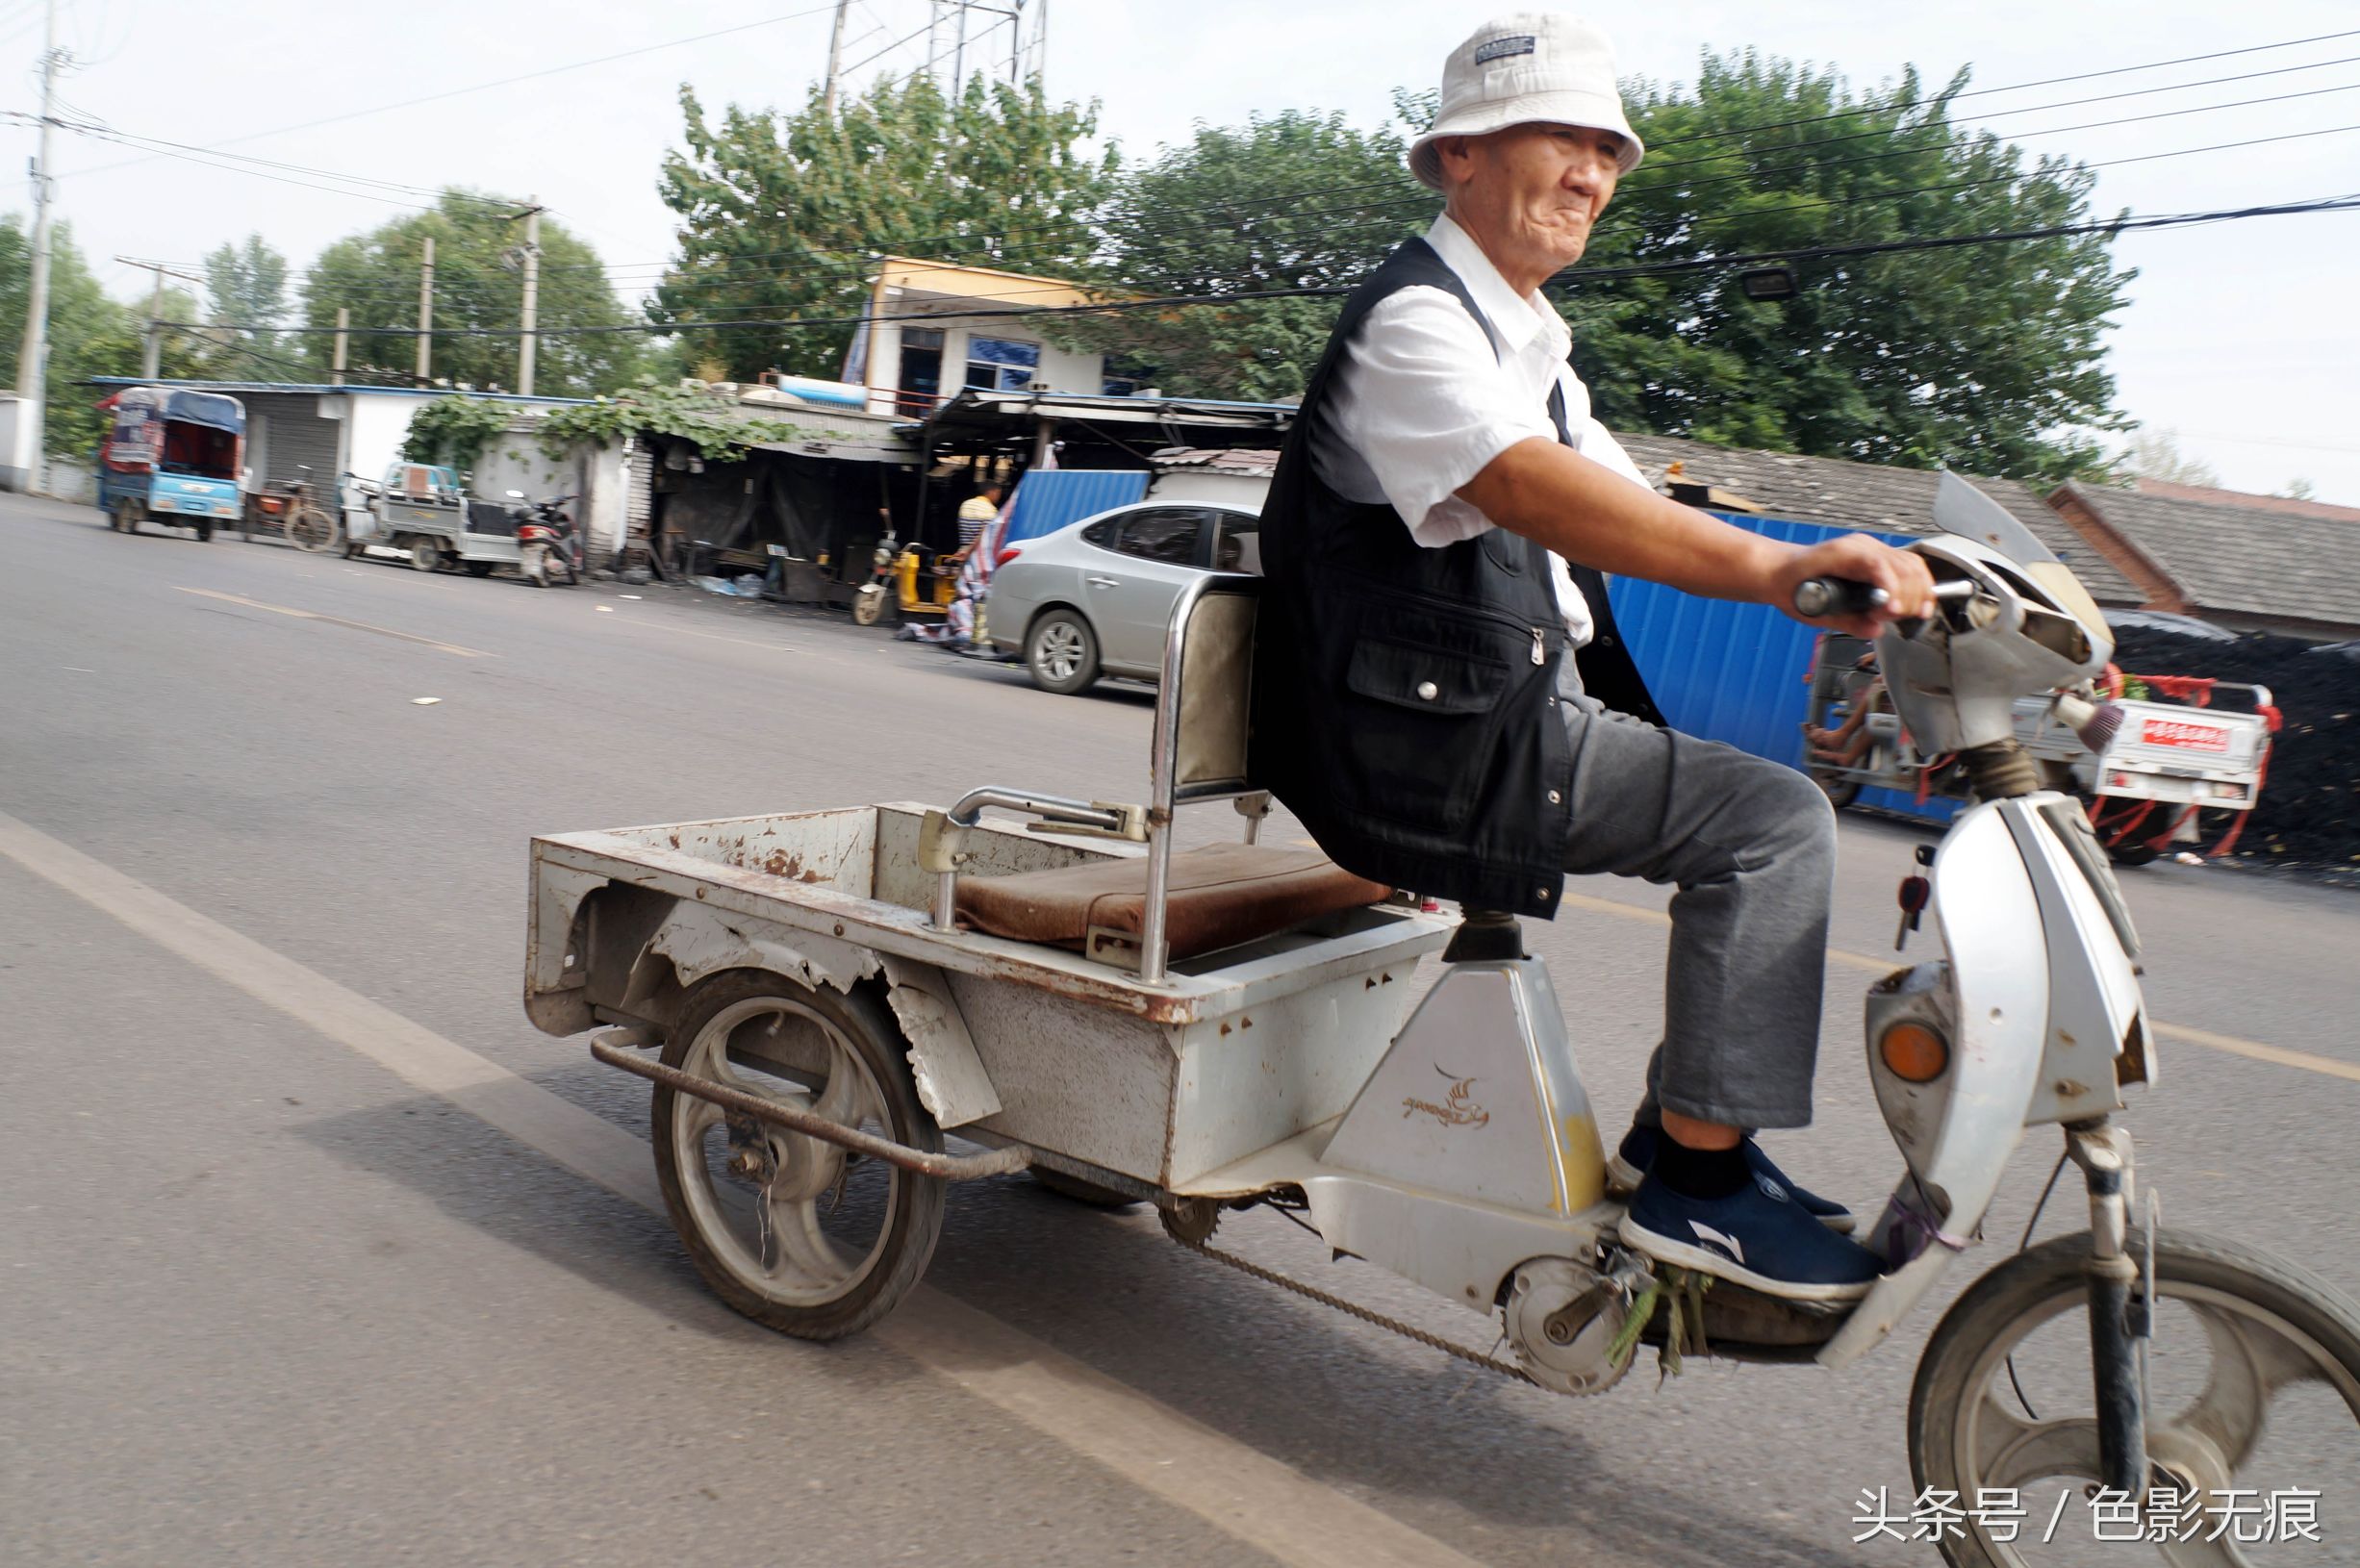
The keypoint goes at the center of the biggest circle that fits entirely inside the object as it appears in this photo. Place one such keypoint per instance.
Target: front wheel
(426, 552)
(204, 531)
(2003, 1406)
(1062, 653)
(795, 1232)
(867, 605)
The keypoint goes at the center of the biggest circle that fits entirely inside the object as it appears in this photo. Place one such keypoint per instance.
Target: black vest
(1405, 698)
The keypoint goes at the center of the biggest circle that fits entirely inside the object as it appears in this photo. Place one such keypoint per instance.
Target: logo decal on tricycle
(2194, 737)
(1458, 1109)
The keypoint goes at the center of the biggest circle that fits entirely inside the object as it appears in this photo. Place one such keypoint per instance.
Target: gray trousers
(1751, 845)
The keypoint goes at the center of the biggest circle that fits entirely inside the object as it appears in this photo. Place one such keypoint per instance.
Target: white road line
(1237, 1489)
(462, 651)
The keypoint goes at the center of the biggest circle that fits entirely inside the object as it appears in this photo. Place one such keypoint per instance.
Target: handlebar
(1817, 597)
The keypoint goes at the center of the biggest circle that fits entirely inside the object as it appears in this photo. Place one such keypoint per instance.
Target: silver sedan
(1094, 598)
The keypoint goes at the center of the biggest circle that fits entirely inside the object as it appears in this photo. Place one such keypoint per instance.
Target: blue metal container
(1739, 673)
(1045, 501)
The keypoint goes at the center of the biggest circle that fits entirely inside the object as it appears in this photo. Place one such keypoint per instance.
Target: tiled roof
(2212, 495)
(2240, 560)
(1847, 494)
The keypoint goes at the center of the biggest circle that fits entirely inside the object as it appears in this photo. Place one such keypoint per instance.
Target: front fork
(2121, 1314)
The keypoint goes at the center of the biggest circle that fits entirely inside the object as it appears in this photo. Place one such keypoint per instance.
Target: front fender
(1959, 1132)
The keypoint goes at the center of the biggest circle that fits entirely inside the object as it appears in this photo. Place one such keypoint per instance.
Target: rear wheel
(480, 568)
(1841, 792)
(2244, 1344)
(133, 513)
(1062, 652)
(792, 1232)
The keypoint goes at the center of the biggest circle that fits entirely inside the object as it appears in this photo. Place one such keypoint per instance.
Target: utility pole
(835, 55)
(151, 356)
(24, 467)
(426, 312)
(344, 331)
(532, 295)
(958, 60)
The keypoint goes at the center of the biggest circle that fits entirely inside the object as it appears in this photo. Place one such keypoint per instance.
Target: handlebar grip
(1819, 596)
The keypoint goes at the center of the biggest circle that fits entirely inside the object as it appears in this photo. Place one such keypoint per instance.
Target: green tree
(1297, 200)
(2155, 454)
(1988, 357)
(477, 285)
(88, 335)
(245, 291)
(781, 216)
(1991, 358)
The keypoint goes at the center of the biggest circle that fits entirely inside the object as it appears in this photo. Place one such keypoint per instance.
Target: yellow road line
(2252, 1050)
(338, 621)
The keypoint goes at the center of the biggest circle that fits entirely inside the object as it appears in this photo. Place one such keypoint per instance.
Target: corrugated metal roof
(239, 388)
(1259, 461)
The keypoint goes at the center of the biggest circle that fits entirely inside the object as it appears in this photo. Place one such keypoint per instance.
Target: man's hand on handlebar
(1908, 585)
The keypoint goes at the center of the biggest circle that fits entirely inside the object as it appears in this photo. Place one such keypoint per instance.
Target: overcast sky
(2243, 338)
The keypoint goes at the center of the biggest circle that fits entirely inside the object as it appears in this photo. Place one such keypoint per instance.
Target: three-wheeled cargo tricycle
(173, 456)
(842, 1011)
(2155, 759)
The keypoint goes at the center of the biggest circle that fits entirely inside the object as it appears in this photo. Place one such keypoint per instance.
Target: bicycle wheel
(309, 528)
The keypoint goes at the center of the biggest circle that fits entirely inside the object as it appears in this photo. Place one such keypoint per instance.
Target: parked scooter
(546, 547)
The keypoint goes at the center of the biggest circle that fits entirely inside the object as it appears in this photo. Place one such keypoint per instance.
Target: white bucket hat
(1533, 67)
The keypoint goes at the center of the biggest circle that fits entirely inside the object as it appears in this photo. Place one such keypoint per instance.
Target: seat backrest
(1204, 701)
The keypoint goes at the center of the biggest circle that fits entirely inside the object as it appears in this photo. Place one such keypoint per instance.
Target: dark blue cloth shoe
(1637, 1153)
(1757, 1236)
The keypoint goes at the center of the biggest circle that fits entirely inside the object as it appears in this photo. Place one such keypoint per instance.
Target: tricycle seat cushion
(1221, 896)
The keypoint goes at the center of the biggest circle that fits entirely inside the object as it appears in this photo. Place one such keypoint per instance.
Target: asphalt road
(268, 1302)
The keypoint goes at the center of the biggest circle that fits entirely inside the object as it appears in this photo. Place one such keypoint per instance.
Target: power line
(486, 87)
(2036, 109)
(2110, 226)
(1170, 221)
(692, 284)
(1171, 228)
(2019, 87)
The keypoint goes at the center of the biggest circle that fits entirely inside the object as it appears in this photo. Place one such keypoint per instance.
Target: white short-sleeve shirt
(1422, 400)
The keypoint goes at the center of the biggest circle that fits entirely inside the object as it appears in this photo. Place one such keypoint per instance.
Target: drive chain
(1270, 1277)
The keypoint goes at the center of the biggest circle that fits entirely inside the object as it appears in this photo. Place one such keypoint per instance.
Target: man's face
(1530, 193)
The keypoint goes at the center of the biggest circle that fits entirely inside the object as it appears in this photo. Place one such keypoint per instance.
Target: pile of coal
(2309, 811)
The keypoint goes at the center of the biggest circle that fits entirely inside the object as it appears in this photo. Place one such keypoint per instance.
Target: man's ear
(1453, 153)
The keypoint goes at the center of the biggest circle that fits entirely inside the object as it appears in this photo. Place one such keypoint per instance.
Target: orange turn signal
(1914, 1052)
